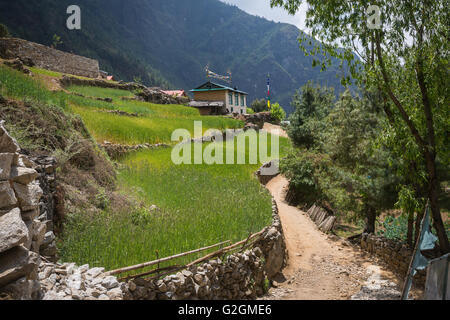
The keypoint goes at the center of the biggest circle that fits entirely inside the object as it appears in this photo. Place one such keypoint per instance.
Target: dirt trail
(320, 268)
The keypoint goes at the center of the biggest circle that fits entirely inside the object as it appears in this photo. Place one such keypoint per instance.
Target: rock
(83, 268)
(275, 258)
(7, 143)
(48, 238)
(51, 295)
(75, 281)
(50, 250)
(17, 263)
(30, 215)
(162, 286)
(95, 272)
(22, 289)
(23, 175)
(13, 231)
(39, 231)
(7, 196)
(131, 286)
(25, 162)
(109, 282)
(115, 294)
(28, 195)
(6, 161)
(103, 297)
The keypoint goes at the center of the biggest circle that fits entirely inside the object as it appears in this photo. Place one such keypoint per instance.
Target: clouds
(262, 8)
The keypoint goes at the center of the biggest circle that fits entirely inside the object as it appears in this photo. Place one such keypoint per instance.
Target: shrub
(299, 168)
(259, 105)
(277, 113)
(3, 31)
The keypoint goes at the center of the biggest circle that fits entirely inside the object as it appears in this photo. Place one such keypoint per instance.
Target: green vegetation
(3, 31)
(409, 83)
(259, 105)
(154, 124)
(277, 112)
(199, 205)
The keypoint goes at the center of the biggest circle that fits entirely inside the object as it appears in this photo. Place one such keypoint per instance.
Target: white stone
(110, 282)
(95, 272)
(6, 160)
(7, 196)
(13, 231)
(23, 175)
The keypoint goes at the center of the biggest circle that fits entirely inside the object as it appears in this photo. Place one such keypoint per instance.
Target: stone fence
(396, 254)
(48, 58)
(240, 275)
(21, 232)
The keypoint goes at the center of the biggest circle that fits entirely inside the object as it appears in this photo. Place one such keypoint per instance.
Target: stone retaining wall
(50, 204)
(48, 58)
(115, 151)
(238, 276)
(21, 232)
(396, 254)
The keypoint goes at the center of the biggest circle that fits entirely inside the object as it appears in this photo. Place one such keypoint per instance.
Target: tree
(259, 105)
(277, 113)
(412, 78)
(359, 165)
(312, 104)
(4, 33)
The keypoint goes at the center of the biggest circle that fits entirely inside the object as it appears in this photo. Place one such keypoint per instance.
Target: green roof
(211, 86)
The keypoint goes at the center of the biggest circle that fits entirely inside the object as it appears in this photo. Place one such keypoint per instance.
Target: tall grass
(155, 123)
(14, 84)
(200, 205)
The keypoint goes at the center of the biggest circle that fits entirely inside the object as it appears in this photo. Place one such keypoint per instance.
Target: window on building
(232, 109)
(242, 100)
(242, 111)
(230, 95)
(237, 98)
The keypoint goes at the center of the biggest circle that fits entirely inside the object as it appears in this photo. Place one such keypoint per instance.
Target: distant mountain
(169, 42)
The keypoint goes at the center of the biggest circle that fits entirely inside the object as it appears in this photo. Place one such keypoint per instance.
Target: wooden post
(151, 263)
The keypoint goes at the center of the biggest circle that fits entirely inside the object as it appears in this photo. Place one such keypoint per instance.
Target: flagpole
(268, 91)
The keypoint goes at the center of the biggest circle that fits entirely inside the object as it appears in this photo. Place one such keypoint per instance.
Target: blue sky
(262, 8)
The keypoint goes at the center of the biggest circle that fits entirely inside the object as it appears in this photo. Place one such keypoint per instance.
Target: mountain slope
(171, 41)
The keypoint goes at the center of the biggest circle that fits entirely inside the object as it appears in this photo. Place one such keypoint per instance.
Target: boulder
(48, 238)
(30, 215)
(28, 195)
(50, 250)
(16, 263)
(275, 258)
(6, 161)
(7, 143)
(23, 175)
(7, 196)
(23, 161)
(13, 231)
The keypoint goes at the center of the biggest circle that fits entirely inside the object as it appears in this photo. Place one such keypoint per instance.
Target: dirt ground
(272, 128)
(322, 267)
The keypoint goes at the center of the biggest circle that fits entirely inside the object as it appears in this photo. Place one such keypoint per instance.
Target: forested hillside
(169, 42)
